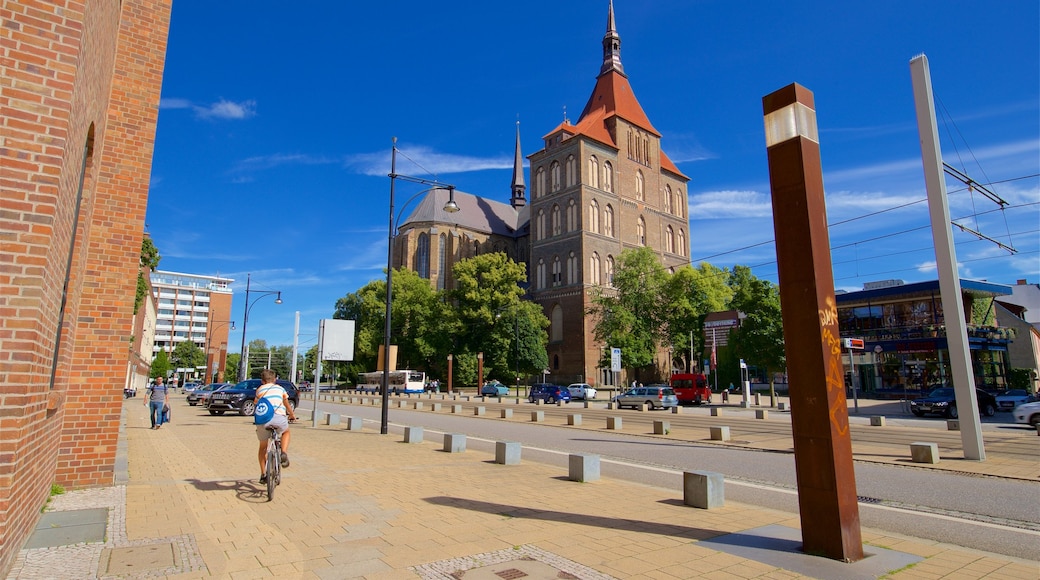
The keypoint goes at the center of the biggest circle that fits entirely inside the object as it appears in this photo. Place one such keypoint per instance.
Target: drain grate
(510, 574)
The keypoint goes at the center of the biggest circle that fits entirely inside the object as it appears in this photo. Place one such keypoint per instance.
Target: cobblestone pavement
(357, 504)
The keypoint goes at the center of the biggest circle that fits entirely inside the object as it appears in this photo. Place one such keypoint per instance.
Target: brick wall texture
(79, 97)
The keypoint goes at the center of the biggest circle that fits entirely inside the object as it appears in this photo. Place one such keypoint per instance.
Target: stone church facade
(599, 186)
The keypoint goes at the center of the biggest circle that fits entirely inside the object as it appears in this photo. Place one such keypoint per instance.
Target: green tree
(367, 308)
(760, 338)
(231, 367)
(187, 354)
(161, 365)
(630, 314)
(691, 293)
(149, 262)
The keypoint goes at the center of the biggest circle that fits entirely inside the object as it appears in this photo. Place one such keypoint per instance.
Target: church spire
(611, 46)
(519, 200)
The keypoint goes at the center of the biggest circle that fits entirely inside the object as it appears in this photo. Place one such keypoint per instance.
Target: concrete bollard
(583, 467)
(719, 433)
(677, 410)
(924, 452)
(614, 423)
(539, 402)
(331, 419)
(587, 405)
(781, 406)
(537, 416)
(456, 409)
(402, 404)
(703, 489)
(413, 434)
(507, 413)
(435, 407)
(953, 424)
(758, 399)
(877, 420)
(661, 427)
(454, 442)
(611, 406)
(761, 414)
(715, 412)
(418, 405)
(574, 419)
(355, 423)
(479, 411)
(644, 408)
(507, 452)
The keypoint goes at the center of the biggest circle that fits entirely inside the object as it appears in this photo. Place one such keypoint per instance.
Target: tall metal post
(384, 421)
(946, 263)
(827, 501)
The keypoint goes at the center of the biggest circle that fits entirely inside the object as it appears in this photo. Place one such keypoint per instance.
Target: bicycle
(274, 461)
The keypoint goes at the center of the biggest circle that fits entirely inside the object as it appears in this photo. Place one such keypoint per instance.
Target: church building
(599, 186)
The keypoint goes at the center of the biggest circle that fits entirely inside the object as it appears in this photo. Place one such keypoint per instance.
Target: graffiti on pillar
(835, 371)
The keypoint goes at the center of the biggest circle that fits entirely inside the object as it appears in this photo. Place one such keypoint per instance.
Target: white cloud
(174, 104)
(224, 109)
(714, 205)
(424, 161)
(261, 162)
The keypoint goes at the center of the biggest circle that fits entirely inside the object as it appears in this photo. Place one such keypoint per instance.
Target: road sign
(853, 343)
(615, 360)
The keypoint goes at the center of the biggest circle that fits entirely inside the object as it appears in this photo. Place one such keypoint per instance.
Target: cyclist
(276, 412)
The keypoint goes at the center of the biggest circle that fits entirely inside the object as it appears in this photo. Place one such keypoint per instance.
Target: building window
(572, 268)
(572, 215)
(556, 221)
(594, 216)
(541, 274)
(554, 172)
(669, 240)
(556, 324)
(608, 176)
(572, 171)
(594, 271)
(476, 247)
(681, 243)
(680, 207)
(442, 260)
(593, 171)
(539, 230)
(667, 199)
(639, 184)
(557, 274)
(608, 221)
(539, 182)
(422, 256)
(641, 231)
(610, 270)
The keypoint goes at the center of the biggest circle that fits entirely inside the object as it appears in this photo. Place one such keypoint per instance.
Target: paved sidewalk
(364, 505)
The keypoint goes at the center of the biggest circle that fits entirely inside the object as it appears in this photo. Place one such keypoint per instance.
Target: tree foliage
(149, 262)
(760, 338)
(691, 293)
(161, 365)
(187, 354)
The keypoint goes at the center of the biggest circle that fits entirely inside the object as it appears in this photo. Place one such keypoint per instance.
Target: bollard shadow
(512, 511)
(246, 490)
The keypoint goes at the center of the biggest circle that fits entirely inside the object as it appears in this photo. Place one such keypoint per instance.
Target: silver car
(654, 396)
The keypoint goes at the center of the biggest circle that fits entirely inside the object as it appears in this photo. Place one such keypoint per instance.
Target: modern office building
(196, 308)
(600, 185)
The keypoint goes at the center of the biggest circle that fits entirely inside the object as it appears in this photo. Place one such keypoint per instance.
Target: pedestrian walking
(158, 399)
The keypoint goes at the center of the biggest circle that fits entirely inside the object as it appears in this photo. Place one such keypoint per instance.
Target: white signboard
(615, 360)
(336, 338)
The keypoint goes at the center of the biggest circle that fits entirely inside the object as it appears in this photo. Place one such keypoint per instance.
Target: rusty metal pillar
(819, 415)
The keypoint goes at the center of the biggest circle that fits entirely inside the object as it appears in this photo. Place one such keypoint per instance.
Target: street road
(988, 513)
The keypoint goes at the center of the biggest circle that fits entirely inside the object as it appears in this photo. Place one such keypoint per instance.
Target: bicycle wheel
(272, 469)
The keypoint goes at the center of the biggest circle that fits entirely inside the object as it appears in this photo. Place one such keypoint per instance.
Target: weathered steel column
(819, 415)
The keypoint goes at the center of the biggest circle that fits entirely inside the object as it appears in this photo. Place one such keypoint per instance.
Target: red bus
(691, 388)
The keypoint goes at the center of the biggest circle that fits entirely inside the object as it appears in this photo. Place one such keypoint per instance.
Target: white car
(1028, 413)
(583, 391)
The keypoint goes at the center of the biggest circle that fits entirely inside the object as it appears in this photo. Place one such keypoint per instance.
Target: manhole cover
(140, 558)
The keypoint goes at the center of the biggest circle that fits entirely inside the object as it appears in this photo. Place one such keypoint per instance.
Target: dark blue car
(548, 393)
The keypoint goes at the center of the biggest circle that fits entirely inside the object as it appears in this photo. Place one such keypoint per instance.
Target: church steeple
(519, 199)
(611, 46)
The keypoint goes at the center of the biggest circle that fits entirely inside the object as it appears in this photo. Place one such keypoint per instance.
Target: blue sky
(274, 135)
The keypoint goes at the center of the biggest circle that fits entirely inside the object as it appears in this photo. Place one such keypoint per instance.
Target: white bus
(402, 381)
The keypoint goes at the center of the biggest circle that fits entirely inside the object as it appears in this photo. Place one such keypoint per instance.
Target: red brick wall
(71, 77)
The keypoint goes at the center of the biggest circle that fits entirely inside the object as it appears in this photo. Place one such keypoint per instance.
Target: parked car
(583, 391)
(1008, 400)
(189, 387)
(942, 401)
(240, 397)
(197, 394)
(1027, 413)
(548, 393)
(655, 397)
(494, 389)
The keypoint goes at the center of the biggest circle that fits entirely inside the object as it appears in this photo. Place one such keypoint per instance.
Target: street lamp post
(217, 324)
(450, 207)
(243, 364)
